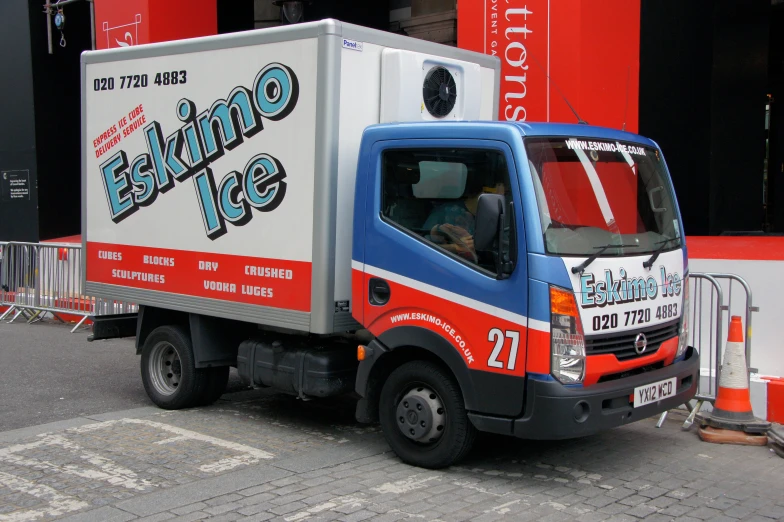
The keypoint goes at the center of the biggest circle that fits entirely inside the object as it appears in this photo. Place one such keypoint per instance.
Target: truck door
(422, 274)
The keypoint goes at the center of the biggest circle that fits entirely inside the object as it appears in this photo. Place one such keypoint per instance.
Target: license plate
(654, 392)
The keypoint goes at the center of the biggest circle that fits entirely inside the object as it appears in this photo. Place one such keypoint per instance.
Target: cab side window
(433, 194)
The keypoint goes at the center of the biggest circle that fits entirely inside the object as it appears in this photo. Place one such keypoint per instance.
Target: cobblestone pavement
(260, 456)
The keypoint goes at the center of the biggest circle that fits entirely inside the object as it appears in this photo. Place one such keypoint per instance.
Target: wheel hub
(165, 368)
(421, 416)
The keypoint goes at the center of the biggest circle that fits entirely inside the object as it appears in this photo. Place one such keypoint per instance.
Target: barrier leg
(79, 324)
(18, 313)
(58, 317)
(35, 315)
(7, 312)
(690, 419)
(663, 417)
(41, 317)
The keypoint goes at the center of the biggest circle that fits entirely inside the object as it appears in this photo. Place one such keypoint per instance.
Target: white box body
(250, 218)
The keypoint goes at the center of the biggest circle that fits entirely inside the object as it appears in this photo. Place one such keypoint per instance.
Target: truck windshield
(594, 193)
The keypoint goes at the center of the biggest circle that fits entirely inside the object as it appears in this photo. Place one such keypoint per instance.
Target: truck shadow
(600, 453)
(273, 405)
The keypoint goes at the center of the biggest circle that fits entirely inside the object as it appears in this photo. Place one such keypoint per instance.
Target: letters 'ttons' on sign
(590, 49)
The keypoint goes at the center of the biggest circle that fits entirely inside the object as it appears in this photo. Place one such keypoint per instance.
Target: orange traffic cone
(732, 409)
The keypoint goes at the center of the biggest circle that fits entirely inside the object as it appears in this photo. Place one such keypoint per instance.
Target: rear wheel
(423, 416)
(169, 374)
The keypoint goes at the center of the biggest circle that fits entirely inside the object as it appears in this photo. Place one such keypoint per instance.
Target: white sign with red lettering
(200, 170)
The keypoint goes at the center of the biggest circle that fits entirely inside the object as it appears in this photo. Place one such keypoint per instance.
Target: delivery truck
(332, 210)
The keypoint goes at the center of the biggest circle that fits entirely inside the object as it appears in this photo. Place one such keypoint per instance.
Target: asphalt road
(48, 374)
(259, 455)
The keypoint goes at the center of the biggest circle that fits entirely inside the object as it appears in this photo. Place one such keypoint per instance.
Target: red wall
(134, 22)
(178, 19)
(590, 48)
(119, 23)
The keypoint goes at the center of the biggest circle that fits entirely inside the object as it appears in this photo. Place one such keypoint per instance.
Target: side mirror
(489, 211)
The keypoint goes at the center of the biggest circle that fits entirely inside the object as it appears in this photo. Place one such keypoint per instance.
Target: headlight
(683, 338)
(567, 340)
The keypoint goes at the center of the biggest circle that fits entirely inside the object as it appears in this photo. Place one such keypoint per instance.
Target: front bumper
(554, 411)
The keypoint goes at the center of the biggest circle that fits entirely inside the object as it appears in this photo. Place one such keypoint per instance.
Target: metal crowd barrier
(41, 278)
(3, 286)
(712, 304)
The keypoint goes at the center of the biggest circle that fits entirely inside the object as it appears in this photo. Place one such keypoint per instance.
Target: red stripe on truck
(251, 280)
(485, 342)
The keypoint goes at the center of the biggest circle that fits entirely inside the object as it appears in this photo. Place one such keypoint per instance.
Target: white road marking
(405, 485)
(471, 485)
(346, 500)
(562, 507)
(249, 455)
(107, 470)
(58, 504)
(178, 438)
(302, 515)
(498, 473)
(228, 463)
(102, 468)
(503, 509)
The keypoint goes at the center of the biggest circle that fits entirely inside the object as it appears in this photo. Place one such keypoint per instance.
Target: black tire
(217, 378)
(184, 385)
(458, 433)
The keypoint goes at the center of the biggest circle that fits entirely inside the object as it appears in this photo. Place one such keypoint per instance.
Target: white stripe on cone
(733, 370)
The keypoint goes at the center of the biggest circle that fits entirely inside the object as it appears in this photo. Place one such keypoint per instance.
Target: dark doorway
(775, 122)
(703, 90)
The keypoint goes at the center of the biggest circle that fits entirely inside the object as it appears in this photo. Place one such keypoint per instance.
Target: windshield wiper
(579, 269)
(649, 263)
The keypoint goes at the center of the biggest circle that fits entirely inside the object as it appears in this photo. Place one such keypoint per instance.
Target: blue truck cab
(526, 279)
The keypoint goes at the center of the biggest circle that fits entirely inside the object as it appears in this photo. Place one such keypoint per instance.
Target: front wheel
(423, 416)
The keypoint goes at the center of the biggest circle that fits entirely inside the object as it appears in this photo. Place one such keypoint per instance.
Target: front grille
(622, 344)
(631, 373)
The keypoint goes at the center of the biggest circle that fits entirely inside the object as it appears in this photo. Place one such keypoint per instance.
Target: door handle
(379, 292)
